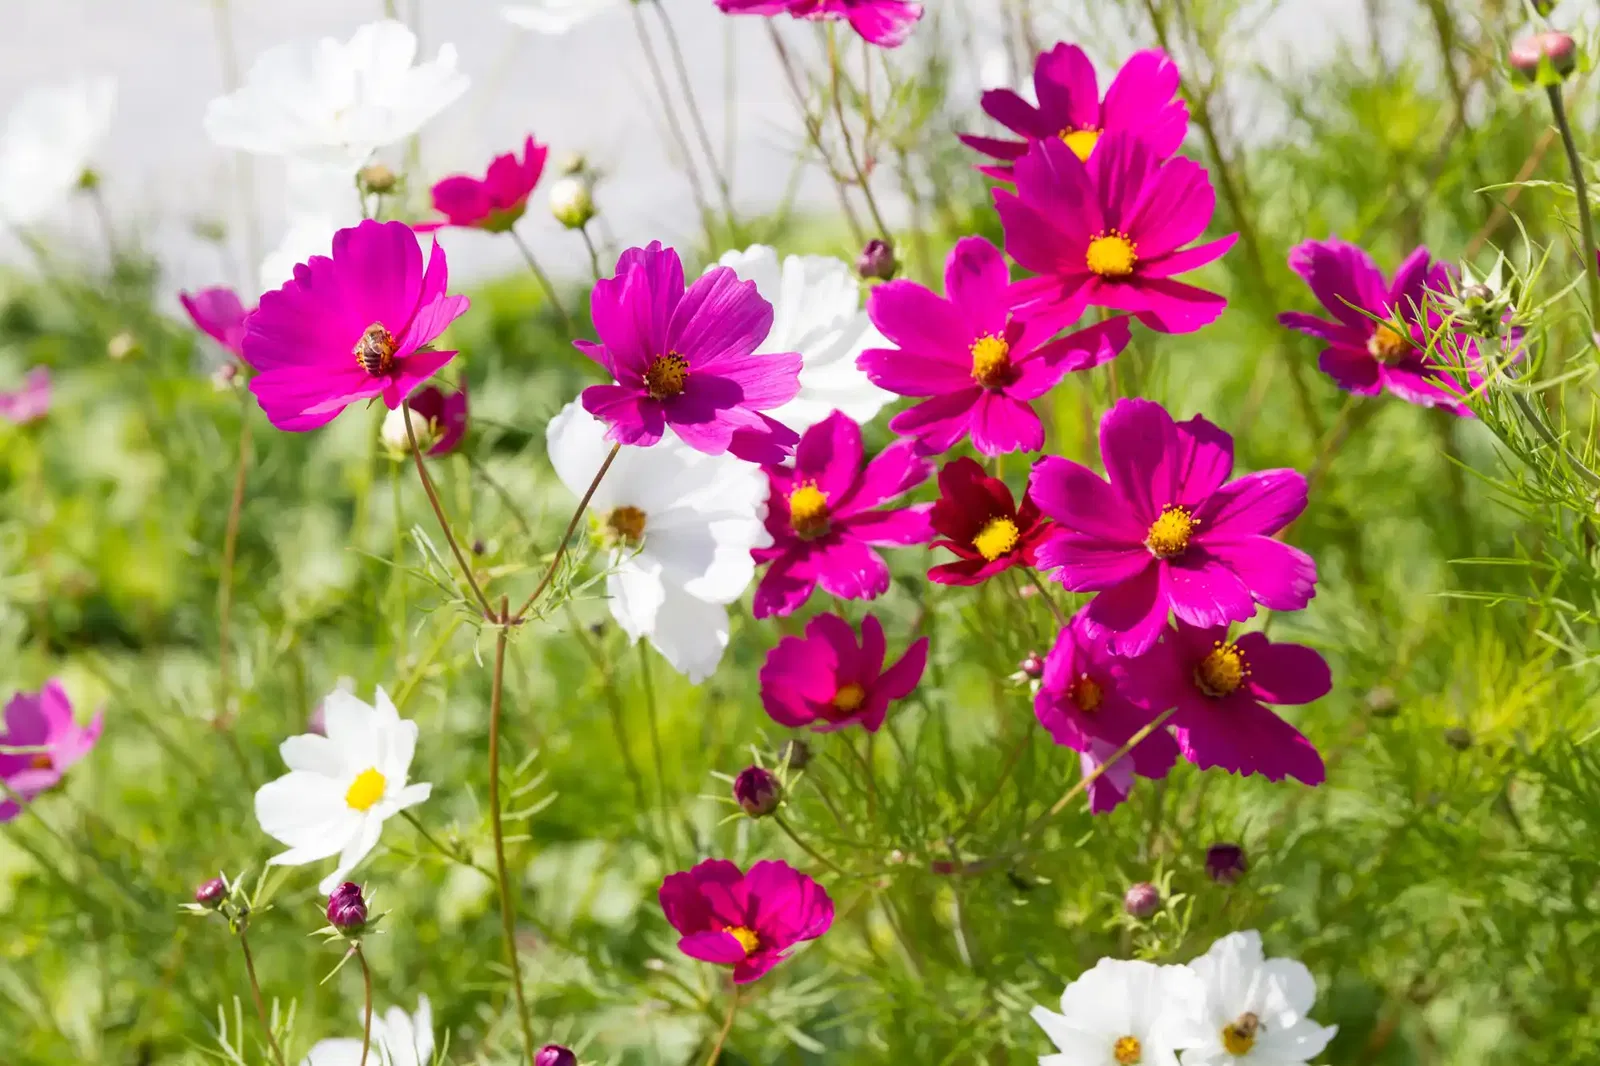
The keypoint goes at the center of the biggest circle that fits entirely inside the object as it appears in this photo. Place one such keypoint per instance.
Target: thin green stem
(438, 512)
(1012, 759)
(230, 546)
(856, 164)
(561, 549)
(613, 702)
(647, 683)
(1591, 264)
(508, 918)
(674, 127)
(697, 120)
(366, 984)
(727, 1027)
(543, 278)
(255, 993)
(789, 832)
(417, 671)
(453, 854)
(1044, 594)
(594, 253)
(814, 131)
(1094, 775)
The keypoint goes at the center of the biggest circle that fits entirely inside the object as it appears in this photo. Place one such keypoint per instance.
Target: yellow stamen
(666, 376)
(1128, 1051)
(1086, 693)
(991, 361)
(1170, 532)
(849, 697)
(366, 790)
(1080, 141)
(1222, 671)
(808, 511)
(1239, 1037)
(746, 937)
(41, 761)
(997, 537)
(1387, 345)
(375, 350)
(625, 525)
(1112, 255)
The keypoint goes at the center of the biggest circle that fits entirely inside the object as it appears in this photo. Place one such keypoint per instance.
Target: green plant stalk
(849, 144)
(594, 253)
(1591, 265)
(814, 131)
(697, 120)
(366, 983)
(508, 918)
(613, 701)
(255, 992)
(543, 279)
(727, 1026)
(230, 547)
(438, 512)
(561, 549)
(659, 79)
(789, 832)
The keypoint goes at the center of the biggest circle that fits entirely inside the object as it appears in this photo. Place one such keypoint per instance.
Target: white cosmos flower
(681, 523)
(340, 787)
(1117, 1014)
(336, 102)
(1250, 1009)
(555, 16)
(398, 1039)
(320, 200)
(49, 140)
(816, 306)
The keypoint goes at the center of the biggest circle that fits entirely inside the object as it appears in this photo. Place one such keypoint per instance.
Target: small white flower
(395, 438)
(1250, 1009)
(49, 141)
(320, 200)
(336, 102)
(572, 201)
(398, 1039)
(681, 525)
(1117, 1014)
(341, 787)
(555, 16)
(816, 307)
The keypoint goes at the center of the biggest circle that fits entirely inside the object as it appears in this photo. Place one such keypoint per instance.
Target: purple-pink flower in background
(1082, 705)
(686, 359)
(41, 724)
(29, 403)
(1170, 531)
(1111, 232)
(1140, 100)
(826, 516)
(1366, 356)
(356, 326)
(1221, 688)
(885, 23)
(828, 680)
(493, 202)
(219, 313)
(978, 360)
(748, 921)
(446, 414)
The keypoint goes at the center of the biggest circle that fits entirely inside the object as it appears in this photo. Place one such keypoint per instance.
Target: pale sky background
(586, 91)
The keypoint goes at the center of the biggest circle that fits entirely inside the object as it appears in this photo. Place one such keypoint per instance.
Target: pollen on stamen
(1081, 142)
(375, 350)
(997, 537)
(1086, 694)
(366, 790)
(849, 697)
(41, 761)
(1170, 533)
(1388, 345)
(808, 511)
(1222, 671)
(991, 361)
(623, 526)
(666, 376)
(747, 937)
(1112, 254)
(1128, 1051)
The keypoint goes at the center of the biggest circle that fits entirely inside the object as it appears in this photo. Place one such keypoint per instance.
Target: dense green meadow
(1441, 885)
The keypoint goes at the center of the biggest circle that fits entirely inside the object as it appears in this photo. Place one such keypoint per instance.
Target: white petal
(335, 1053)
(1296, 1043)
(305, 811)
(352, 726)
(356, 849)
(1293, 984)
(313, 754)
(554, 16)
(690, 634)
(635, 592)
(576, 443)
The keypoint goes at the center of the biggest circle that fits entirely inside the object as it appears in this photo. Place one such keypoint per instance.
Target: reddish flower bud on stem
(757, 791)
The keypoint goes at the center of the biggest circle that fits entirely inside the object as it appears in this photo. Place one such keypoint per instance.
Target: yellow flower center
(849, 697)
(365, 790)
(997, 537)
(624, 525)
(666, 376)
(746, 937)
(375, 350)
(1240, 1036)
(1127, 1051)
(1388, 345)
(1170, 532)
(1222, 671)
(991, 361)
(1086, 694)
(41, 761)
(1112, 255)
(808, 511)
(1080, 141)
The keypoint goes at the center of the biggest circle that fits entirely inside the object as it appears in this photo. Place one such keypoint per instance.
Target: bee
(375, 350)
(1239, 1037)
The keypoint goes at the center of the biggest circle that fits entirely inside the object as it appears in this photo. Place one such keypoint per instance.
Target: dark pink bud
(757, 791)
(1141, 900)
(212, 893)
(1032, 666)
(347, 910)
(1225, 863)
(796, 753)
(1559, 48)
(555, 1055)
(877, 261)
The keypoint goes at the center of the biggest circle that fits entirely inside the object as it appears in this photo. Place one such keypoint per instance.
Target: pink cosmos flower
(982, 524)
(826, 680)
(745, 920)
(885, 23)
(1140, 101)
(493, 202)
(42, 722)
(1220, 689)
(29, 403)
(1111, 232)
(220, 314)
(979, 360)
(1107, 791)
(1364, 356)
(685, 359)
(447, 413)
(354, 327)
(1170, 531)
(826, 515)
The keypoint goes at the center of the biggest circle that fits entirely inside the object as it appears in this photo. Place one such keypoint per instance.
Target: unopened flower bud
(1032, 666)
(756, 791)
(572, 201)
(377, 178)
(1225, 863)
(394, 435)
(1141, 900)
(89, 180)
(211, 893)
(1477, 294)
(122, 346)
(796, 754)
(555, 1055)
(1458, 737)
(1529, 55)
(877, 260)
(347, 910)
(225, 377)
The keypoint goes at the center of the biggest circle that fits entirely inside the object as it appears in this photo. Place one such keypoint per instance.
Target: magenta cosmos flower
(354, 327)
(446, 414)
(1140, 101)
(827, 680)
(41, 723)
(1111, 232)
(885, 23)
(495, 201)
(29, 403)
(686, 359)
(979, 521)
(219, 313)
(745, 920)
(1221, 688)
(974, 355)
(1366, 356)
(826, 515)
(1170, 531)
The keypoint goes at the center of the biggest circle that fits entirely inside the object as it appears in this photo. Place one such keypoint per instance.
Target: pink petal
(896, 470)
(720, 319)
(1279, 577)
(976, 280)
(1131, 616)
(851, 570)
(920, 322)
(901, 679)
(937, 424)
(1068, 93)
(1139, 446)
(914, 374)
(1204, 461)
(1343, 278)
(1284, 673)
(1084, 564)
(1188, 259)
(1204, 592)
(1263, 503)
(1175, 209)
(1001, 424)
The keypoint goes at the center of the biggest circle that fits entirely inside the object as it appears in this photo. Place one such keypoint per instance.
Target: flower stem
(614, 702)
(1094, 775)
(230, 545)
(697, 120)
(727, 1027)
(255, 992)
(789, 832)
(544, 279)
(844, 131)
(438, 512)
(673, 126)
(594, 253)
(561, 549)
(1591, 265)
(508, 918)
(1038, 583)
(814, 131)
(366, 981)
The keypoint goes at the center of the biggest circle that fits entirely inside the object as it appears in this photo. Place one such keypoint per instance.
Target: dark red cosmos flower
(980, 522)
